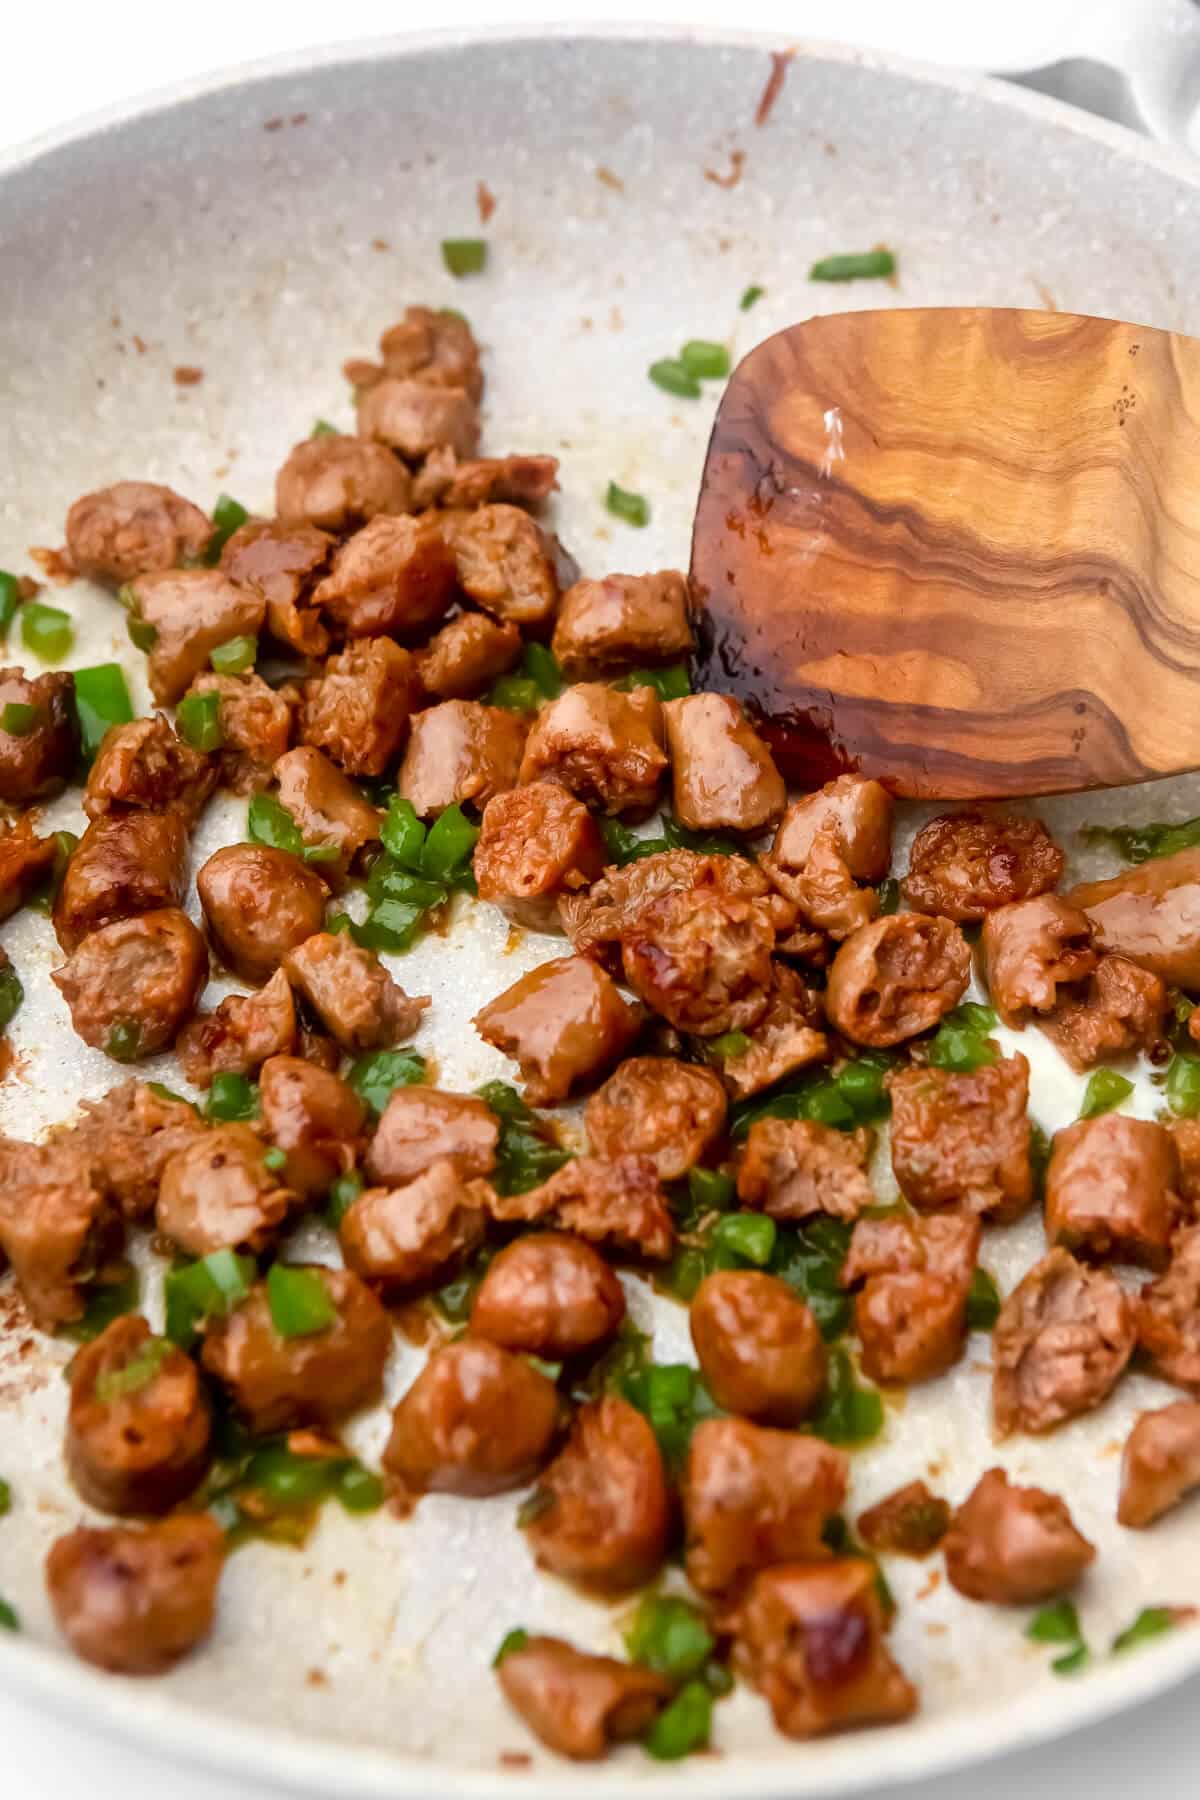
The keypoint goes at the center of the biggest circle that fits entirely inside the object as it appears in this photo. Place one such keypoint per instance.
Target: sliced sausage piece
(1121, 1007)
(753, 1496)
(36, 763)
(787, 1038)
(517, 480)
(606, 747)
(506, 563)
(467, 655)
(911, 1316)
(673, 1112)
(1151, 914)
(723, 775)
(315, 1117)
(124, 864)
(964, 1139)
(909, 1522)
(327, 808)
(597, 920)
(136, 1600)
(138, 1424)
(702, 958)
(1030, 950)
(133, 985)
(1168, 1315)
(602, 1509)
(26, 864)
(407, 1238)
(218, 1194)
(358, 710)
(424, 1125)
(855, 812)
(281, 563)
(414, 417)
(1186, 1133)
(352, 994)
(460, 751)
(759, 1347)
(829, 898)
(131, 1133)
(395, 576)
(477, 1420)
(796, 1169)
(810, 1637)
(240, 1036)
(1111, 1190)
(564, 1023)
(133, 528)
(258, 904)
(191, 612)
(1013, 1546)
(1161, 1463)
(1060, 1345)
(620, 1204)
(56, 1226)
(622, 622)
(437, 348)
(256, 724)
(964, 865)
(549, 1295)
(144, 766)
(277, 1382)
(579, 1704)
(897, 978)
(337, 482)
(536, 844)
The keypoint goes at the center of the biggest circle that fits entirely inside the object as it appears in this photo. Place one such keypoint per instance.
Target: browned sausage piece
(467, 655)
(124, 864)
(415, 417)
(826, 892)
(1032, 949)
(131, 1133)
(788, 1037)
(191, 612)
(437, 348)
(134, 1601)
(601, 1512)
(911, 1316)
(256, 723)
(1062, 1340)
(754, 1496)
(1151, 914)
(896, 978)
(579, 1704)
(506, 563)
(26, 864)
(243, 1032)
(337, 482)
(1186, 1133)
(477, 1420)
(138, 1424)
(909, 1522)
(327, 808)
(56, 1226)
(315, 1117)
(564, 1023)
(702, 959)
(259, 903)
(1161, 1463)
(536, 843)
(36, 763)
(1111, 1190)
(460, 751)
(143, 765)
(723, 775)
(132, 528)
(218, 1194)
(619, 1203)
(795, 1169)
(549, 1295)
(597, 920)
(424, 1125)
(622, 622)
(810, 1638)
(280, 563)
(352, 993)
(964, 1139)
(606, 747)
(855, 812)
(965, 865)
(395, 576)
(759, 1347)
(1121, 1007)
(358, 710)
(405, 1238)
(132, 985)
(673, 1112)
(1013, 1546)
(1168, 1315)
(276, 1382)
(517, 480)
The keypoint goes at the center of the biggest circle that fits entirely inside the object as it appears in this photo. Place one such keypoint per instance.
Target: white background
(64, 60)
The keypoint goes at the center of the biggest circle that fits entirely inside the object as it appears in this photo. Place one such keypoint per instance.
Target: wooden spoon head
(959, 550)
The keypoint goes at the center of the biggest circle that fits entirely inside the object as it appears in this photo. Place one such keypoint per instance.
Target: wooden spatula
(959, 550)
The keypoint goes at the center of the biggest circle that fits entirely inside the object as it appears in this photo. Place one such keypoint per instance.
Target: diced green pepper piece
(516, 1639)
(685, 1725)
(633, 508)
(299, 1302)
(706, 361)
(11, 995)
(232, 1097)
(669, 1635)
(1183, 1085)
(749, 1235)
(869, 265)
(101, 700)
(376, 1077)
(46, 631)
(198, 720)
(464, 256)
(228, 515)
(18, 718)
(234, 656)
(673, 378)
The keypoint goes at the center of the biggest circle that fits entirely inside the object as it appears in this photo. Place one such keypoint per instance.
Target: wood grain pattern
(959, 550)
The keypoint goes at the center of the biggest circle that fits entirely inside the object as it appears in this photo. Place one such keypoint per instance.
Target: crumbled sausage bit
(242, 1034)
(620, 1204)
(754, 1496)
(130, 1134)
(964, 865)
(395, 576)
(134, 528)
(855, 811)
(564, 1023)
(26, 864)
(702, 959)
(357, 710)
(218, 1194)
(578, 1704)
(444, 480)
(897, 977)
(606, 747)
(192, 612)
(622, 622)
(124, 864)
(536, 843)
(597, 920)
(56, 1225)
(909, 1522)
(723, 775)
(281, 563)
(423, 1125)
(602, 1512)
(655, 1106)
(1060, 1345)
(1168, 1314)
(352, 993)
(911, 1315)
(1030, 950)
(327, 807)
(466, 656)
(256, 725)
(315, 1118)
(1013, 1546)
(1111, 1190)
(144, 766)
(415, 417)
(1121, 1007)
(1150, 914)
(38, 762)
(796, 1169)
(964, 1139)
(403, 1239)
(1161, 1463)
(506, 563)
(336, 482)
(460, 751)
(786, 1039)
